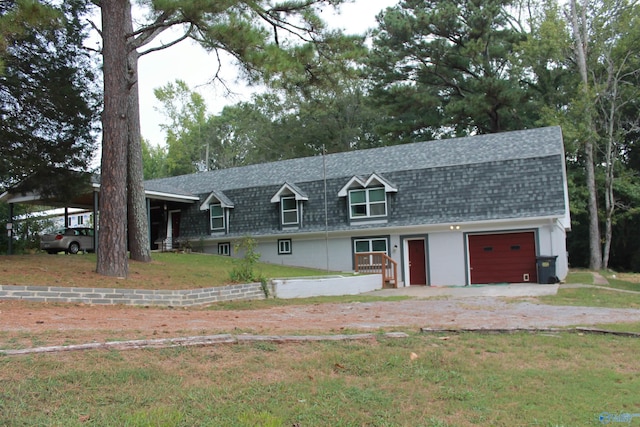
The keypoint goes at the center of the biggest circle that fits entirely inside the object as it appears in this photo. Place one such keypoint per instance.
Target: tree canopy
(447, 67)
(49, 101)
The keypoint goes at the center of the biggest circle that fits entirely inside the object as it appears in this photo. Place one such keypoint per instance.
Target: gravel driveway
(100, 322)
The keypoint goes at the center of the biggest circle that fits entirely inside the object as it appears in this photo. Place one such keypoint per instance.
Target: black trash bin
(546, 267)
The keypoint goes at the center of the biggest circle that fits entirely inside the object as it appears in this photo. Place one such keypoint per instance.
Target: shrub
(244, 267)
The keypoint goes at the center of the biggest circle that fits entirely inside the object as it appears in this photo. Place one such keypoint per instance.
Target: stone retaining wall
(278, 288)
(176, 298)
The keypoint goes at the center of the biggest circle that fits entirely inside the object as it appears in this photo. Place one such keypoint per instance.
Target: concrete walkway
(510, 290)
(500, 290)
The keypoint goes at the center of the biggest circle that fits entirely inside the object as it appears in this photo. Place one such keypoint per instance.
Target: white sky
(189, 62)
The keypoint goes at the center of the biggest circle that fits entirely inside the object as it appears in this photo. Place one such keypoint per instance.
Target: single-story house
(474, 210)
(461, 211)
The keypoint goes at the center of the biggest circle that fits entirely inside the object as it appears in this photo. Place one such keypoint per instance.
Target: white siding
(447, 259)
(311, 252)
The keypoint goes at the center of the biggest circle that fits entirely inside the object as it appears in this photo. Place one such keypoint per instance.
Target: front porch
(378, 263)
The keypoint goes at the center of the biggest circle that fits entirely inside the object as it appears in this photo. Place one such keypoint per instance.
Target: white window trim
(282, 210)
(285, 247)
(224, 245)
(223, 216)
(373, 181)
(367, 203)
(370, 241)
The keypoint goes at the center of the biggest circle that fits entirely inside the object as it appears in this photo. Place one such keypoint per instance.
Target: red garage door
(502, 258)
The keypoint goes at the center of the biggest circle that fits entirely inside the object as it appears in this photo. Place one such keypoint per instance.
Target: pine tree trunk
(112, 237)
(139, 246)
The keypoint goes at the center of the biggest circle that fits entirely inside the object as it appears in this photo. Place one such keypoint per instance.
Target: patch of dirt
(55, 324)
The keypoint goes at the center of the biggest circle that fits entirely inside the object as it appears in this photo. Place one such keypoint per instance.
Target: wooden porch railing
(378, 262)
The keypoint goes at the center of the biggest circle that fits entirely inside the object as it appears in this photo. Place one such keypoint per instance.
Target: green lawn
(561, 379)
(166, 271)
(591, 296)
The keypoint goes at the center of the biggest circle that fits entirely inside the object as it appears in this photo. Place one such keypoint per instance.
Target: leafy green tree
(616, 103)
(26, 232)
(186, 114)
(48, 102)
(154, 160)
(584, 60)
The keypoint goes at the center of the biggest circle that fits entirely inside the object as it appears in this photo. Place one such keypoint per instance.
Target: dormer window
(290, 198)
(368, 203)
(217, 217)
(367, 198)
(218, 206)
(289, 210)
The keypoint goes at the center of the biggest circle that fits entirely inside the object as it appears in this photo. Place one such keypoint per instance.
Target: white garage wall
(446, 259)
(310, 253)
(552, 241)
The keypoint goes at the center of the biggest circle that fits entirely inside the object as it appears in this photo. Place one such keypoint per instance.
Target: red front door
(417, 263)
(175, 225)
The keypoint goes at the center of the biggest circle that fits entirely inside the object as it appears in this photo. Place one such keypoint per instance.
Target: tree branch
(173, 43)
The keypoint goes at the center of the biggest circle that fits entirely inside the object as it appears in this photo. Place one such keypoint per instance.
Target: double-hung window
(284, 247)
(289, 210)
(377, 244)
(218, 205)
(367, 203)
(224, 248)
(369, 245)
(216, 217)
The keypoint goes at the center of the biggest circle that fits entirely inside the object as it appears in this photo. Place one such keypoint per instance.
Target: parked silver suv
(69, 240)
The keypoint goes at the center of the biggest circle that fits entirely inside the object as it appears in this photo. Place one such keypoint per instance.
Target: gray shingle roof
(532, 143)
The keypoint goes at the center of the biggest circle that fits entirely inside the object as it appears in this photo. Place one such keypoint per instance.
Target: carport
(85, 199)
(160, 202)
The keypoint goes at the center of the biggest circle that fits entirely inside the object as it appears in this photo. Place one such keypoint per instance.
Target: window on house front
(376, 244)
(289, 210)
(367, 203)
(80, 220)
(284, 246)
(224, 249)
(216, 212)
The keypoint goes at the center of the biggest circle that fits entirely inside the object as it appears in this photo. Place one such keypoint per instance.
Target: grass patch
(469, 379)
(620, 327)
(166, 271)
(627, 281)
(277, 302)
(579, 276)
(592, 297)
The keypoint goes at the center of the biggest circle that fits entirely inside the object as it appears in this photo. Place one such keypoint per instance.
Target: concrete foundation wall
(338, 285)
